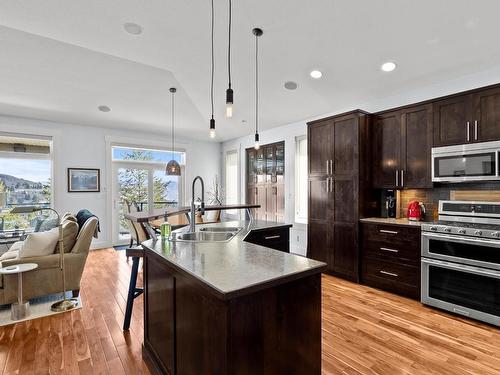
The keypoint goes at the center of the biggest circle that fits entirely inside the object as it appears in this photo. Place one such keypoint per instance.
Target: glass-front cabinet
(265, 180)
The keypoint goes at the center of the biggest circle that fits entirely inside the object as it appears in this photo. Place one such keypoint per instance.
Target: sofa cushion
(70, 232)
(39, 244)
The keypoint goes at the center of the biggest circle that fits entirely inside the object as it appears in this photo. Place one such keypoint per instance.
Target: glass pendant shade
(229, 103)
(173, 168)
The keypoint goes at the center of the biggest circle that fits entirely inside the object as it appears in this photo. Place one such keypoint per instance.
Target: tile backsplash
(430, 197)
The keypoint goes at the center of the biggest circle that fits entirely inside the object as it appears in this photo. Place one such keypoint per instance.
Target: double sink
(207, 234)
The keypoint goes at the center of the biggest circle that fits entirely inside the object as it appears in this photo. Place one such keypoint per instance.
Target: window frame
(300, 217)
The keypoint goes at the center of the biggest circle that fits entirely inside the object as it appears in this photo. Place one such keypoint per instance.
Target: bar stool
(136, 253)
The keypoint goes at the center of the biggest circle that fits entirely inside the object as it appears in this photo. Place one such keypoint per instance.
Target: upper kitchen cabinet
(416, 144)
(387, 150)
(486, 110)
(402, 142)
(319, 148)
(452, 122)
(471, 117)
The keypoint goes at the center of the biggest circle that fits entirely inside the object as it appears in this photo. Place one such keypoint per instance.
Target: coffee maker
(390, 203)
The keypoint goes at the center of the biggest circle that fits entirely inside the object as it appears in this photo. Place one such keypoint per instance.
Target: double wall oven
(461, 260)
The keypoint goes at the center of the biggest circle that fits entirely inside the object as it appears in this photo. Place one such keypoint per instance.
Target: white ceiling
(61, 59)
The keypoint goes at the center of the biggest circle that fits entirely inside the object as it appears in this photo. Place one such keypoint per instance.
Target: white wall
(287, 133)
(86, 147)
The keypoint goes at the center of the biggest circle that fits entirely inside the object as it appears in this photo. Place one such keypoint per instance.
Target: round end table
(19, 309)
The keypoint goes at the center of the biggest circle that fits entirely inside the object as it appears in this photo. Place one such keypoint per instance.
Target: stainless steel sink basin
(204, 236)
(220, 229)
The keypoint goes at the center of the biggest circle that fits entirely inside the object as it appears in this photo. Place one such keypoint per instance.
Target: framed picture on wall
(84, 180)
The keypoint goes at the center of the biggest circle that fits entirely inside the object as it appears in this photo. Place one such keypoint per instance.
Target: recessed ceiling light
(290, 85)
(132, 28)
(316, 74)
(104, 108)
(388, 66)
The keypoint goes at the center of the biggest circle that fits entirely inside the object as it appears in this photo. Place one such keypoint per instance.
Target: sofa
(47, 278)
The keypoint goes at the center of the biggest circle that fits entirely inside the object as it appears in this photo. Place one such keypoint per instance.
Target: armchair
(46, 279)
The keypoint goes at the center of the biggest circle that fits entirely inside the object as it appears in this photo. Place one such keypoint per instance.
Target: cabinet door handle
(388, 231)
(390, 250)
(397, 178)
(272, 237)
(331, 184)
(402, 178)
(475, 130)
(331, 166)
(389, 273)
(328, 167)
(468, 131)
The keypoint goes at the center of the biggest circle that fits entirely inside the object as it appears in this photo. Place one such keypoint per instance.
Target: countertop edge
(389, 221)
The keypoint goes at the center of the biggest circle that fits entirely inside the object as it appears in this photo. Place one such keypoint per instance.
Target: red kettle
(416, 211)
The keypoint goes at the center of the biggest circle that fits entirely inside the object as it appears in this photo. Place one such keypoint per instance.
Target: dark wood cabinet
(402, 147)
(265, 181)
(467, 118)
(486, 110)
(387, 150)
(452, 121)
(390, 258)
(189, 329)
(275, 238)
(339, 177)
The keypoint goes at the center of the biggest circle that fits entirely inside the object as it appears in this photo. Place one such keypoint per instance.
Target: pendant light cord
(229, 43)
(172, 113)
(212, 62)
(256, 84)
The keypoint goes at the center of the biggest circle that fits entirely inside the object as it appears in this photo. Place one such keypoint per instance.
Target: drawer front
(274, 238)
(398, 278)
(392, 251)
(391, 242)
(392, 233)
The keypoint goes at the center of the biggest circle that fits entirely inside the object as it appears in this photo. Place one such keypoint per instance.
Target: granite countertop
(386, 220)
(236, 267)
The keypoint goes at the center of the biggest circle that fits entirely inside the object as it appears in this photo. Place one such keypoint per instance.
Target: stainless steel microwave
(469, 162)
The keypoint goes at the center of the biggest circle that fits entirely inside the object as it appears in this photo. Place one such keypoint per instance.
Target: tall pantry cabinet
(339, 190)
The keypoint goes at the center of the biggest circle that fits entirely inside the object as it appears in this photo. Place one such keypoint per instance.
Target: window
(25, 178)
(140, 183)
(301, 179)
(232, 178)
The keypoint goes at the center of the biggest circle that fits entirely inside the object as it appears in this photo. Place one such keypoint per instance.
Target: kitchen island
(231, 307)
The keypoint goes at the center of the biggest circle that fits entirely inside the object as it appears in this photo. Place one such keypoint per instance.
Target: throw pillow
(70, 233)
(39, 244)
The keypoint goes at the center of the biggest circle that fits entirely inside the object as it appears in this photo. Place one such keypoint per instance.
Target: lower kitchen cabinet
(390, 258)
(275, 238)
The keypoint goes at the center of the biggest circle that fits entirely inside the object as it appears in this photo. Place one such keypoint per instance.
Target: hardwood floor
(365, 331)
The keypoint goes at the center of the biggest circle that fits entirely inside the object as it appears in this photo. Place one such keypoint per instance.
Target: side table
(19, 309)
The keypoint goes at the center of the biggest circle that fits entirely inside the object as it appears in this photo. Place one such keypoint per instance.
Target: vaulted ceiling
(61, 59)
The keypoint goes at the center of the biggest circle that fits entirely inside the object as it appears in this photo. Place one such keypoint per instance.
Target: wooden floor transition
(365, 331)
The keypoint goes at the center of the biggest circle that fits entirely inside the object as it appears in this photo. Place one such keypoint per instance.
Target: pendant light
(212, 120)
(257, 32)
(173, 168)
(229, 91)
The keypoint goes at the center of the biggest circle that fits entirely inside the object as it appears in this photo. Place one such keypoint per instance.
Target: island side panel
(159, 317)
(278, 330)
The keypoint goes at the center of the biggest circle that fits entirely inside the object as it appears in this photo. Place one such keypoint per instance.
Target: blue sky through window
(28, 169)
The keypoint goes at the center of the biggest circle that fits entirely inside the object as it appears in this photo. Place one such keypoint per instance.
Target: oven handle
(462, 267)
(460, 239)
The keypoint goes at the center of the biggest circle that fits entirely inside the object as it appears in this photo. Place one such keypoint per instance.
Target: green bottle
(165, 230)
